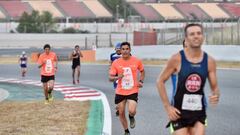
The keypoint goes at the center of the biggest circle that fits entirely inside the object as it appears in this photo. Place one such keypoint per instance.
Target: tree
(35, 23)
(47, 21)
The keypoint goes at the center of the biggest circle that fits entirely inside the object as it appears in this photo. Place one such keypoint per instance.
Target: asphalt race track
(151, 117)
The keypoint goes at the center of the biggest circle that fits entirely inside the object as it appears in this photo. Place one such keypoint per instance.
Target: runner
(114, 56)
(187, 113)
(126, 68)
(47, 61)
(76, 62)
(23, 63)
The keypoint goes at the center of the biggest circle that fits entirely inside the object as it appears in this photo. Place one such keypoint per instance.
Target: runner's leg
(132, 107)
(122, 116)
(197, 129)
(45, 88)
(73, 75)
(78, 73)
(181, 131)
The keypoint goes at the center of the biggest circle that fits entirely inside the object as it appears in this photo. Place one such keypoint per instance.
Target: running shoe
(132, 122)
(50, 97)
(126, 133)
(46, 102)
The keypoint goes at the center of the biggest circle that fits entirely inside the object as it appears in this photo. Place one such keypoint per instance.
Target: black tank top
(76, 61)
(189, 97)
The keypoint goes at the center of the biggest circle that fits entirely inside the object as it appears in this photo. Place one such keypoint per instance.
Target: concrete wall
(219, 52)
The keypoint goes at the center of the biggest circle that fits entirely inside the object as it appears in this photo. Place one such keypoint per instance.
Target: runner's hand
(140, 84)
(173, 113)
(213, 99)
(120, 76)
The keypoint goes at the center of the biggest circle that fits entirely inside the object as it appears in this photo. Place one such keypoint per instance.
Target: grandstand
(74, 9)
(213, 10)
(167, 11)
(191, 12)
(231, 8)
(147, 10)
(13, 9)
(40, 6)
(61, 9)
(2, 16)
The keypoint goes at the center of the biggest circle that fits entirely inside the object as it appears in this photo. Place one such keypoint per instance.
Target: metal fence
(224, 33)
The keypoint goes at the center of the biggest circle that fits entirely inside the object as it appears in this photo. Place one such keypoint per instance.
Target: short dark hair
(125, 43)
(46, 46)
(76, 46)
(191, 25)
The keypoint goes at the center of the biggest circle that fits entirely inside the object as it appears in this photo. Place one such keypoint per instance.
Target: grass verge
(35, 118)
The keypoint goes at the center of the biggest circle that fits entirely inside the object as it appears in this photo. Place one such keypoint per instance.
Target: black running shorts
(45, 79)
(182, 123)
(120, 98)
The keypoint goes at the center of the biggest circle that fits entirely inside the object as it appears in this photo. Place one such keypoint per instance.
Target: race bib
(192, 102)
(48, 67)
(23, 62)
(127, 80)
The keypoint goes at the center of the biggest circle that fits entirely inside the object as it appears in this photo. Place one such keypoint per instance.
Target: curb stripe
(74, 89)
(82, 92)
(82, 96)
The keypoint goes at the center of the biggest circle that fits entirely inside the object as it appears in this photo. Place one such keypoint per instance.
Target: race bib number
(192, 102)
(127, 80)
(23, 62)
(48, 67)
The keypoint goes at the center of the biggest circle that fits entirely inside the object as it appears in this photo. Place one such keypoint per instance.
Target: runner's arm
(113, 78)
(141, 80)
(40, 62)
(80, 53)
(212, 77)
(113, 72)
(171, 67)
(56, 62)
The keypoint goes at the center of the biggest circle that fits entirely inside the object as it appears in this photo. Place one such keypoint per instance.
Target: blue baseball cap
(118, 45)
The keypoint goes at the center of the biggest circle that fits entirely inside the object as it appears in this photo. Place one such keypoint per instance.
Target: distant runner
(76, 63)
(48, 64)
(23, 63)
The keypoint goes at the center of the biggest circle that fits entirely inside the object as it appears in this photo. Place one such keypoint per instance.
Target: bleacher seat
(75, 9)
(146, 11)
(45, 5)
(167, 11)
(97, 8)
(191, 12)
(14, 8)
(213, 10)
(231, 8)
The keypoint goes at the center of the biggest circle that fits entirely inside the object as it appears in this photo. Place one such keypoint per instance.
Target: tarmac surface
(151, 117)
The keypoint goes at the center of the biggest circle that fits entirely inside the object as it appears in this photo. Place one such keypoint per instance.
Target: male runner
(187, 113)
(76, 62)
(47, 61)
(127, 68)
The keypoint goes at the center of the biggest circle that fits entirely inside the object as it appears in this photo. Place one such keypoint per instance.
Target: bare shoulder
(211, 63)
(175, 59)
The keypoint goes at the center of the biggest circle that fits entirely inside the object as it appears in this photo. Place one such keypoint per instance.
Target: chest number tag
(192, 102)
